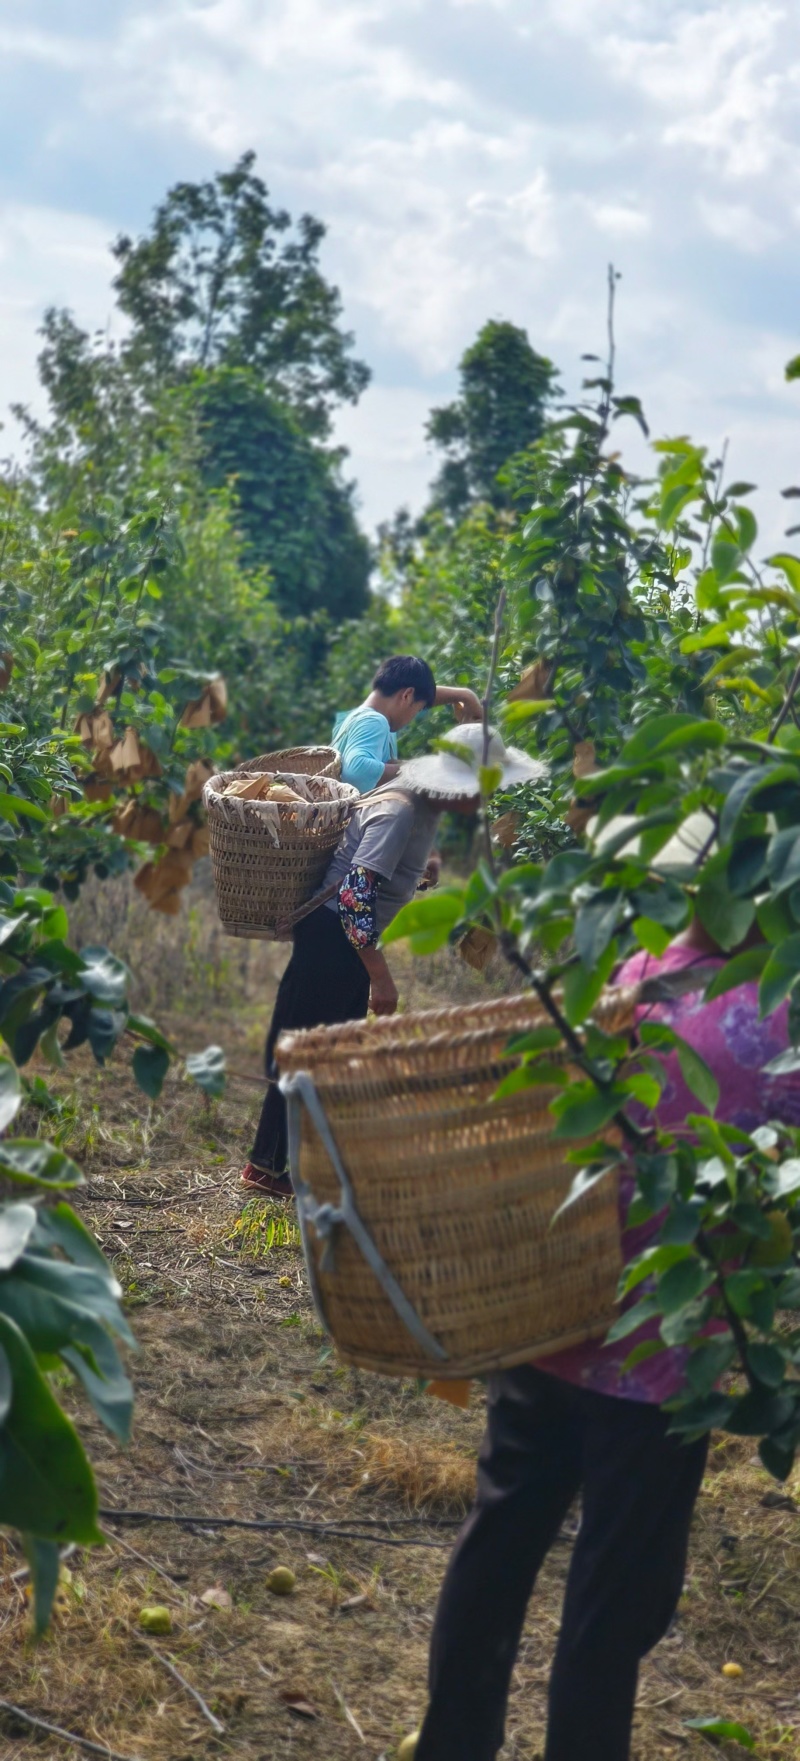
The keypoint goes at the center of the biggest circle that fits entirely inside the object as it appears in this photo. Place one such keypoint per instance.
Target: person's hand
(283, 930)
(383, 994)
(433, 869)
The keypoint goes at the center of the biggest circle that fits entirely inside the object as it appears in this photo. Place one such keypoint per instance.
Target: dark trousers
(325, 982)
(546, 1441)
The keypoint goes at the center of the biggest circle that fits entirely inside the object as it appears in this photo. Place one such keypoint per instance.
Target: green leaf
(694, 1070)
(9, 927)
(789, 566)
(777, 1458)
(531, 1076)
(742, 969)
(786, 1178)
(150, 1066)
(17, 1223)
(651, 935)
(709, 1413)
(654, 1260)
(516, 715)
(11, 805)
(671, 733)
(537, 1039)
(725, 558)
(767, 1363)
(207, 1069)
(583, 1182)
(55, 924)
(722, 1730)
(710, 1361)
(581, 989)
(584, 1109)
(442, 908)
(633, 1319)
(31, 1162)
(60, 1226)
(643, 1087)
(779, 974)
(792, 368)
(10, 1092)
(46, 1484)
(44, 1560)
(595, 923)
(744, 793)
(104, 976)
(682, 1284)
(147, 1030)
(490, 776)
(631, 406)
(726, 917)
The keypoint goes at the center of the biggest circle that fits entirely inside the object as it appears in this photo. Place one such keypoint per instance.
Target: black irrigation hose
(324, 1528)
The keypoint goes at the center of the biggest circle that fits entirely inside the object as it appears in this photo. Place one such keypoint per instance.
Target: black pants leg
(324, 983)
(626, 1576)
(544, 1441)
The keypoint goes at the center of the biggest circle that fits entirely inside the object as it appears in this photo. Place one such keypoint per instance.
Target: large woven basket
(269, 857)
(431, 1248)
(298, 761)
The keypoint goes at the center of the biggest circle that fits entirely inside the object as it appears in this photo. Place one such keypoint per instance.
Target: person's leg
(626, 1575)
(528, 1475)
(324, 983)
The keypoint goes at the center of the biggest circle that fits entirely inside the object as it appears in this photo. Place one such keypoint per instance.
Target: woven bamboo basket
(298, 761)
(432, 1249)
(269, 857)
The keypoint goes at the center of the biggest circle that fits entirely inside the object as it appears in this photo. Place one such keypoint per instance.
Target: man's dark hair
(403, 670)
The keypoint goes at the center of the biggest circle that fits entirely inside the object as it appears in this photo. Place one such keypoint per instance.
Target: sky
(471, 159)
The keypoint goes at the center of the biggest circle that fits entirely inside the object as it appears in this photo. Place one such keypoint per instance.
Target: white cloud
(62, 252)
(473, 159)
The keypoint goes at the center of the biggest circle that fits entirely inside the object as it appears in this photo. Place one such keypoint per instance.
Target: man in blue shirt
(366, 738)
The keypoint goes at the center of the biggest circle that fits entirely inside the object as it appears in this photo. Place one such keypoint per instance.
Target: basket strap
(322, 898)
(323, 1219)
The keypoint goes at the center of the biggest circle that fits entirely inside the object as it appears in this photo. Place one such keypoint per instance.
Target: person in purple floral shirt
(578, 1421)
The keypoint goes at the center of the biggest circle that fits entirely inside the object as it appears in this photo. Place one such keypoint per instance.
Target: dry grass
(243, 1411)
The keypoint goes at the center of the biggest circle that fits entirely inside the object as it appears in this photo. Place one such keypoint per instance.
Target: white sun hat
(695, 837)
(450, 776)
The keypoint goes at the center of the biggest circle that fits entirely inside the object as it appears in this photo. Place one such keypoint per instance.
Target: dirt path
(242, 1411)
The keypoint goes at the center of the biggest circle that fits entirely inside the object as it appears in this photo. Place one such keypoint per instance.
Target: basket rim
(473, 1024)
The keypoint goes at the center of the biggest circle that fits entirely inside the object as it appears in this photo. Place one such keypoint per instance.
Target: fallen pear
(732, 1670)
(281, 1581)
(408, 1747)
(155, 1620)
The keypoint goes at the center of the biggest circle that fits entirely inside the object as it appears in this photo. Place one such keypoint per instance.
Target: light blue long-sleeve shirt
(365, 743)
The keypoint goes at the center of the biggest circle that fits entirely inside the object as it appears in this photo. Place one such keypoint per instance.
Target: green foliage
(661, 659)
(503, 393)
(294, 511)
(59, 1304)
(221, 280)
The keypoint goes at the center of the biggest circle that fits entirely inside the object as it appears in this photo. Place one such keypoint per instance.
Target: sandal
(263, 1180)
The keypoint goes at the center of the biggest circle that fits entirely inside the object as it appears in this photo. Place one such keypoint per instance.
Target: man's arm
(467, 705)
(363, 755)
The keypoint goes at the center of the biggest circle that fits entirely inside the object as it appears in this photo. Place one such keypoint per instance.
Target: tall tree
(222, 279)
(233, 338)
(500, 410)
(295, 511)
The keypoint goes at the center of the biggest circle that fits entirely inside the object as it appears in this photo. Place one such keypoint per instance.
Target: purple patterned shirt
(736, 1045)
